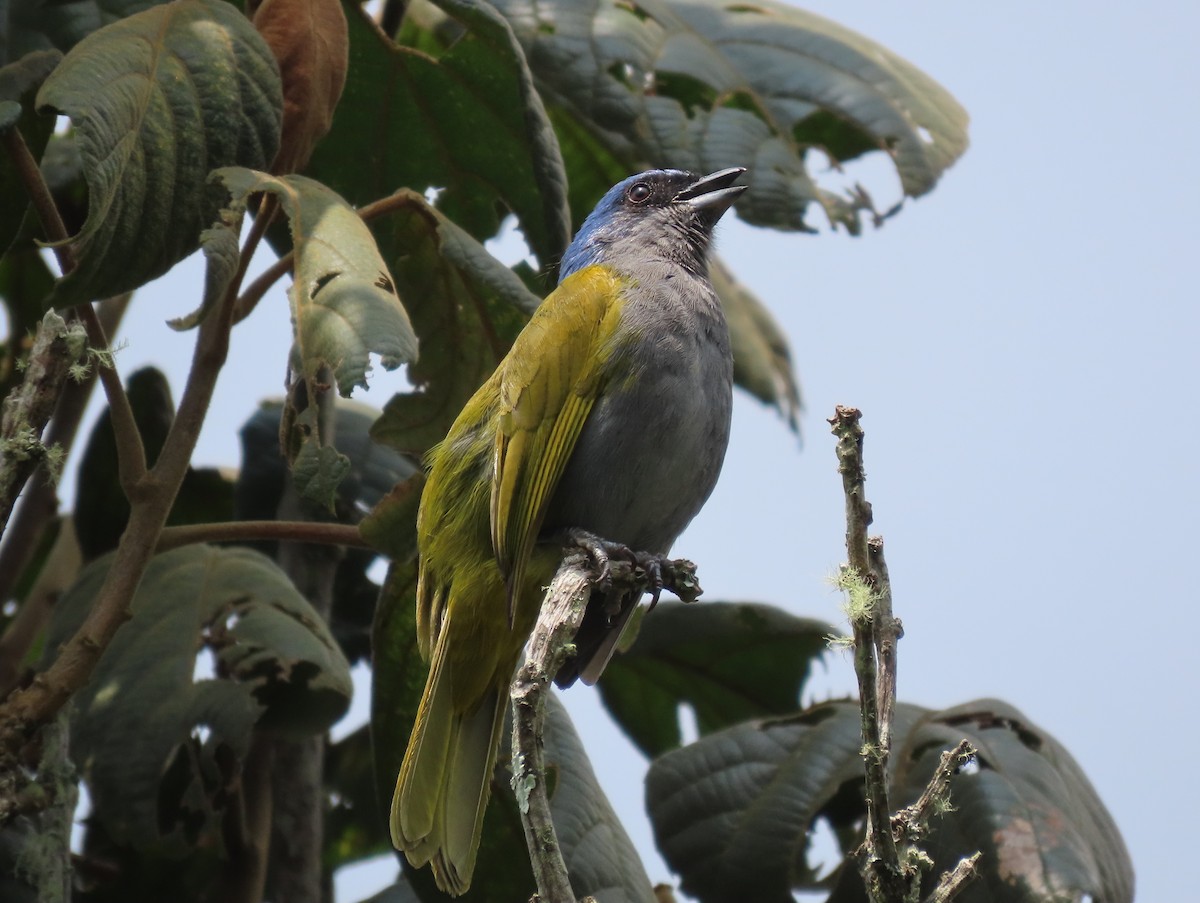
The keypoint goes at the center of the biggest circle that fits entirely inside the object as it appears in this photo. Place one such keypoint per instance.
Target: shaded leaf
(733, 812)
(157, 101)
(599, 855)
(19, 82)
(276, 666)
(729, 661)
(36, 25)
(311, 44)
(462, 117)
(222, 254)
(344, 304)
(707, 84)
(355, 828)
(101, 509)
(391, 527)
(374, 468)
(467, 307)
(762, 361)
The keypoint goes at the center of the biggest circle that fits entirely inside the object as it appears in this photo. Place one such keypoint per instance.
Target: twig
(39, 502)
(550, 645)
(882, 862)
(890, 861)
(246, 827)
(248, 530)
(39, 193)
(955, 880)
(56, 349)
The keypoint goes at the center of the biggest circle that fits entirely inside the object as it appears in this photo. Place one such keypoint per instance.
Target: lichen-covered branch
(550, 645)
(890, 860)
(57, 347)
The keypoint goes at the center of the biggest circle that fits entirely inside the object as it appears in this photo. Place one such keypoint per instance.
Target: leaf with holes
(729, 661)
(459, 115)
(466, 306)
(158, 100)
(159, 749)
(734, 813)
(344, 304)
(709, 84)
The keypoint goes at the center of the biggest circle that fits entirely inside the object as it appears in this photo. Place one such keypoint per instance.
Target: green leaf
(708, 84)
(762, 362)
(158, 748)
(599, 855)
(222, 254)
(467, 307)
(36, 25)
(19, 82)
(344, 303)
(733, 813)
(158, 100)
(462, 116)
(391, 527)
(729, 661)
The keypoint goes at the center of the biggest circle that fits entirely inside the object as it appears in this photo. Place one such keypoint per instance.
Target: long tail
(445, 780)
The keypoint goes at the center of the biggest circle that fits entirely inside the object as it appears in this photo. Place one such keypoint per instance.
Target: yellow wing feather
(548, 385)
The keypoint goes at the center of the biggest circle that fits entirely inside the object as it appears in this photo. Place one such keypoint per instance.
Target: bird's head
(662, 214)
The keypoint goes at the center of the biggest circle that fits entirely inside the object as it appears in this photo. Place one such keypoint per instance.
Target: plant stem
(315, 532)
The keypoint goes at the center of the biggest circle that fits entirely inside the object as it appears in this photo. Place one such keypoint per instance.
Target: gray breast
(651, 450)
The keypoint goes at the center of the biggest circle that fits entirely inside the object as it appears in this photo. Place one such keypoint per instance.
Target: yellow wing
(549, 382)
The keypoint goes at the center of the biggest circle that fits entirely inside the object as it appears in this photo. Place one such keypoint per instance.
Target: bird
(609, 416)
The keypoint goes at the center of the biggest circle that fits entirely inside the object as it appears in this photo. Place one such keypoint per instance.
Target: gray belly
(650, 453)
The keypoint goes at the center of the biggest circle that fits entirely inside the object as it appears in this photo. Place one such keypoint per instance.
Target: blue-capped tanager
(610, 415)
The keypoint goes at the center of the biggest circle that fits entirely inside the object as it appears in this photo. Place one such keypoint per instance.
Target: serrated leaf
(707, 84)
(158, 100)
(310, 41)
(276, 666)
(762, 361)
(467, 307)
(733, 812)
(344, 304)
(728, 661)
(443, 97)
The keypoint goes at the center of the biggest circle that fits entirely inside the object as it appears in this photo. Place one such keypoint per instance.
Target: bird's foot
(603, 552)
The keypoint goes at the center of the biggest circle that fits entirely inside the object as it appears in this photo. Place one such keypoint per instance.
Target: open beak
(714, 193)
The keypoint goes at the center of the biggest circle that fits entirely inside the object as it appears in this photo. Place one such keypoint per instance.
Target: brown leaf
(311, 44)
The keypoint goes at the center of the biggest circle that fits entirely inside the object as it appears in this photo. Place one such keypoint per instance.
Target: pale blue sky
(1023, 344)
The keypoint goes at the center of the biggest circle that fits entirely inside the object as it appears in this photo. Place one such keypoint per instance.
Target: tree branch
(882, 870)
(39, 503)
(57, 347)
(550, 645)
(890, 861)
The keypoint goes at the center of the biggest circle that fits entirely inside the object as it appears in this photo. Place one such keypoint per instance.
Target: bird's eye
(638, 193)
